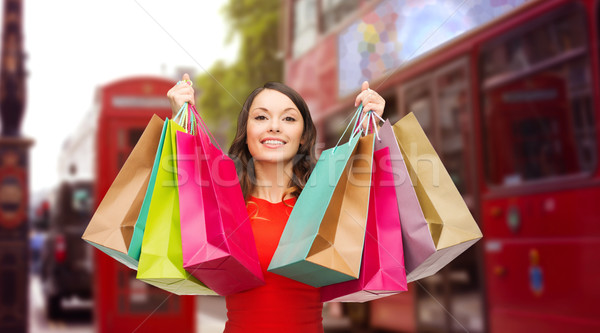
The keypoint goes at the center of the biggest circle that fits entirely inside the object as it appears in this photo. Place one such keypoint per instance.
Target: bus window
(418, 99)
(538, 120)
(440, 102)
(454, 118)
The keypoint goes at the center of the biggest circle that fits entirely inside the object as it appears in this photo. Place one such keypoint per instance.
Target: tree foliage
(223, 89)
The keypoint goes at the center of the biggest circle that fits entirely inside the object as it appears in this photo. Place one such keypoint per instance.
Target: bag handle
(353, 134)
(202, 126)
(186, 119)
(371, 114)
(179, 113)
(189, 121)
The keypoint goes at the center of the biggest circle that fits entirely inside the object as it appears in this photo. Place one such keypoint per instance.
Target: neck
(272, 179)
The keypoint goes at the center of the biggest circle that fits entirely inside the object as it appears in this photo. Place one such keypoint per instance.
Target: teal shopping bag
(324, 236)
(135, 247)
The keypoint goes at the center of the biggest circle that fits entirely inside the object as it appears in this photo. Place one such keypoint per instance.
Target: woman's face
(274, 128)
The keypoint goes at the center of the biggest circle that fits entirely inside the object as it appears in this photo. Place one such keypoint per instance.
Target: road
(210, 314)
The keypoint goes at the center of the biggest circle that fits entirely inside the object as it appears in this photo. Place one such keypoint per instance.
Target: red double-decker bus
(508, 92)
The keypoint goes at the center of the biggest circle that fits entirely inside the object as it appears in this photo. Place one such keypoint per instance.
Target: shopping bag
(382, 270)
(217, 240)
(135, 246)
(111, 227)
(323, 239)
(161, 258)
(451, 225)
(416, 238)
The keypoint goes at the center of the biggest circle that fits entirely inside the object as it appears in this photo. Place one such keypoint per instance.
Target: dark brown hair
(303, 162)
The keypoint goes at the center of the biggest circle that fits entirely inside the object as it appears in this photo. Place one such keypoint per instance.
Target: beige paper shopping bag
(452, 227)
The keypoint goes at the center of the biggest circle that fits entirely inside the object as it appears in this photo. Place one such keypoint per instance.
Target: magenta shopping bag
(217, 240)
(382, 270)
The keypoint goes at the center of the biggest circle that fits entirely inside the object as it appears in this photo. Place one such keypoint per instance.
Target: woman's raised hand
(371, 101)
(180, 93)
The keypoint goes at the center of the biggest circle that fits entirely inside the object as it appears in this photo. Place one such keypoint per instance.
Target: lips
(272, 142)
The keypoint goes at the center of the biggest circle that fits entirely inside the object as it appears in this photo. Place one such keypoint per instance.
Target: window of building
(314, 17)
(335, 11)
(305, 25)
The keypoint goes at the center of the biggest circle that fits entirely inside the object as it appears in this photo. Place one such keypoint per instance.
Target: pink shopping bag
(217, 240)
(419, 248)
(418, 244)
(382, 270)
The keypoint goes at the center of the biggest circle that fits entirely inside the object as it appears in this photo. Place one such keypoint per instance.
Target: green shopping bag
(135, 247)
(161, 257)
(323, 239)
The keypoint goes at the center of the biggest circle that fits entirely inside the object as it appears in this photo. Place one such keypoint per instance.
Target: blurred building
(78, 154)
(508, 93)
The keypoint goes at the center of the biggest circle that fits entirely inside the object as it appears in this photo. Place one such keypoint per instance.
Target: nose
(274, 126)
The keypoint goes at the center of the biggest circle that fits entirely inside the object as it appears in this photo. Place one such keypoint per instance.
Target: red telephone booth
(122, 303)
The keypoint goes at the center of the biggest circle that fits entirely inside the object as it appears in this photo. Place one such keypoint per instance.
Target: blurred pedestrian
(36, 242)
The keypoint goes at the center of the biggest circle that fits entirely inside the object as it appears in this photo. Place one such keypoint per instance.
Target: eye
(260, 117)
(289, 118)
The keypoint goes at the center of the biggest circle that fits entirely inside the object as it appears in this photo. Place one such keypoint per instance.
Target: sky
(73, 47)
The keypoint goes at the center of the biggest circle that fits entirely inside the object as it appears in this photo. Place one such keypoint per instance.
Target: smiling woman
(275, 143)
(273, 134)
(274, 149)
(276, 124)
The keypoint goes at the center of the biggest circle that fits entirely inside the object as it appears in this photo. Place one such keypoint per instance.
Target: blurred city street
(490, 124)
(78, 320)
(210, 314)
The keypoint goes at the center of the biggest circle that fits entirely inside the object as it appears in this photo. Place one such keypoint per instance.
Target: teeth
(274, 142)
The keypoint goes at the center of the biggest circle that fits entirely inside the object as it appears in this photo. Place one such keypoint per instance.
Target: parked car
(67, 259)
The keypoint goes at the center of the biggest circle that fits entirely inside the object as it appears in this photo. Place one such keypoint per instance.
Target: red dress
(282, 304)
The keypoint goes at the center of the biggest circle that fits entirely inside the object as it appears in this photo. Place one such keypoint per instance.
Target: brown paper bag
(323, 239)
(340, 240)
(111, 228)
(452, 227)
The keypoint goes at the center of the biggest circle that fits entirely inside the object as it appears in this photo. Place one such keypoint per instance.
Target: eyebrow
(264, 109)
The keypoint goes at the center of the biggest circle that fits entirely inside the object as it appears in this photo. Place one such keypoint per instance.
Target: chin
(272, 158)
